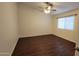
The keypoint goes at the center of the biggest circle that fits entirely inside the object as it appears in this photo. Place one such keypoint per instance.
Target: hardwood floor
(45, 45)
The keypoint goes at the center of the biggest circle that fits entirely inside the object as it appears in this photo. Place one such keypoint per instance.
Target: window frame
(64, 28)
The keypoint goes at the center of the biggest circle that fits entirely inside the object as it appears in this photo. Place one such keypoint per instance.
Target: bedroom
(28, 19)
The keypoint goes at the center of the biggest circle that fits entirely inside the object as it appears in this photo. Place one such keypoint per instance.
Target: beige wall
(8, 27)
(67, 34)
(33, 22)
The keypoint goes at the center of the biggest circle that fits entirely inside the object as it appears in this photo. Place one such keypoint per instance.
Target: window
(66, 23)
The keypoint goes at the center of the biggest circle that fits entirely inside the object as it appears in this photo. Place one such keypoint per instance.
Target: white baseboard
(9, 53)
(13, 47)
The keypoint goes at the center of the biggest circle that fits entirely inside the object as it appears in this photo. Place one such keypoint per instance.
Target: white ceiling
(59, 6)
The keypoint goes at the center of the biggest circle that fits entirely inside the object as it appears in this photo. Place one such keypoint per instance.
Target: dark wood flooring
(45, 45)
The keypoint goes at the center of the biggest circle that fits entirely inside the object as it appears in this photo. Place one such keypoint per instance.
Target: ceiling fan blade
(48, 3)
(53, 10)
(40, 7)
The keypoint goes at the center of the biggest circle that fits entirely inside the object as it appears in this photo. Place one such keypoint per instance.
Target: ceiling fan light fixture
(47, 11)
(49, 7)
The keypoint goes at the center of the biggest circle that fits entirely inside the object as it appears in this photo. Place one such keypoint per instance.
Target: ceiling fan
(48, 8)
